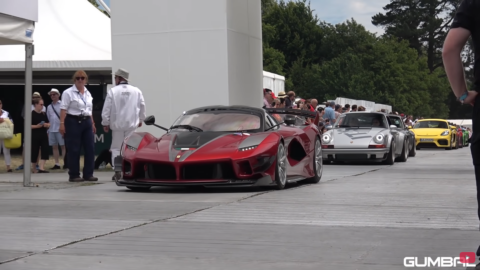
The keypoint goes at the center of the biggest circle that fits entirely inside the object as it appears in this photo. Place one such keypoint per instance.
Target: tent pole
(27, 131)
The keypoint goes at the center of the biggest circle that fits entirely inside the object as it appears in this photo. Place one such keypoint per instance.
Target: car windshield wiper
(189, 127)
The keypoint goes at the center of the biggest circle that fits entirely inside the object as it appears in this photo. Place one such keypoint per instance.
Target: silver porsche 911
(366, 136)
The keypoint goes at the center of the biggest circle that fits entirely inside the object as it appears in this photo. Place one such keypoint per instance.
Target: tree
(297, 33)
(423, 23)
(94, 2)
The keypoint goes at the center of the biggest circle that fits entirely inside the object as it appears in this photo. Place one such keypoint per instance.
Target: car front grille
(204, 171)
(351, 156)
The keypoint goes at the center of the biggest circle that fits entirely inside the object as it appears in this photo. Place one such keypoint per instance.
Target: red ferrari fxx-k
(224, 146)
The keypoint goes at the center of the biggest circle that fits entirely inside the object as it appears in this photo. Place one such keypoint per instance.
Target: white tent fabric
(16, 31)
(69, 34)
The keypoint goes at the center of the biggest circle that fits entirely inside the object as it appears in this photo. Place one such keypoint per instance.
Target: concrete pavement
(358, 217)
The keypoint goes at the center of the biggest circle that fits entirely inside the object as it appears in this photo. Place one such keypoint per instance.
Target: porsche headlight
(378, 138)
(445, 133)
(326, 138)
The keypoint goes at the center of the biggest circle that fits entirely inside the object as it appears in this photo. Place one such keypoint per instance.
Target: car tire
(413, 151)
(317, 163)
(451, 146)
(281, 167)
(139, 189)
(404, 156)
(391, 155)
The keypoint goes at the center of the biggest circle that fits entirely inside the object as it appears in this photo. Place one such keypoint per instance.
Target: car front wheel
(317, 163)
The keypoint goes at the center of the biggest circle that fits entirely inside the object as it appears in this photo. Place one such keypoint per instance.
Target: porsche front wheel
(317, 163)
(391, 155)
(281, 168)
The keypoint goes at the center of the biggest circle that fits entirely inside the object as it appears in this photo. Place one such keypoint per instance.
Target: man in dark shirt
(465, 24)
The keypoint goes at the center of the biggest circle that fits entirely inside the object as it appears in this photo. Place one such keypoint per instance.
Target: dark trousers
(475, 149)
(39, 142)
(78, 136)
(105, 156)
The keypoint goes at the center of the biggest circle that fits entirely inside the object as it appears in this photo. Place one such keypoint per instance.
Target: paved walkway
(358, 217)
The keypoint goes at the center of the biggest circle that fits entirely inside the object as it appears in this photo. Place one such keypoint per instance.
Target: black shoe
(76, 179)
(91, 179)
(10, 170)
(40, 171)
(56, 167)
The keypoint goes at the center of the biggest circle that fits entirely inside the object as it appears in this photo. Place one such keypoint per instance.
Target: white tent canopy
(16, 31)
(70, 35)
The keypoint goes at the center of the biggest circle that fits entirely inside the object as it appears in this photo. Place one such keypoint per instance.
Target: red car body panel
(150, 161)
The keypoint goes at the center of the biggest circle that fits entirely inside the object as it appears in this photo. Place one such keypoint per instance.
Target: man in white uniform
(123, 111)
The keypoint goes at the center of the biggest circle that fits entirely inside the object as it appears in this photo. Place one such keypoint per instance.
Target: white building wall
(189, 53)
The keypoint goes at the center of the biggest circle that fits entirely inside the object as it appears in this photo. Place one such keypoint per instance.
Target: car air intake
(206, 171)
(159, 171)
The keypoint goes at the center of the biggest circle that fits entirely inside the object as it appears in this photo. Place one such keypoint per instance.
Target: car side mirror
(393, 126)
(329, 127)
(150, 120)
(410, 127)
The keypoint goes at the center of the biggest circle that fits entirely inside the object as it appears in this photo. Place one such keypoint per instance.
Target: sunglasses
(80, 78)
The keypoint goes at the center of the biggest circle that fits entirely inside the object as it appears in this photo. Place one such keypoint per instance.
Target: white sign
(25, 9)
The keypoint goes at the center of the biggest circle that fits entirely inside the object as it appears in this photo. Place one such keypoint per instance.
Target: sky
(335, 11)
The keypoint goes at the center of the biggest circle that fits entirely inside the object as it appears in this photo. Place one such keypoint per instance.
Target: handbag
(6, 129)
(13, 143)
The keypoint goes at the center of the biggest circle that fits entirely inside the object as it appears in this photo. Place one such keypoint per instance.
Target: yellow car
(434, 133)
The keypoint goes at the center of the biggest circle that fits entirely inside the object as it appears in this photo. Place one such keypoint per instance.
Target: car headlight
(326, 138)
(248, 148)
(445, 133)
(378, 138)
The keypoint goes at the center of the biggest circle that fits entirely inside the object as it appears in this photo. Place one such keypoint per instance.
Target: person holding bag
(55, 139)
(7, 123)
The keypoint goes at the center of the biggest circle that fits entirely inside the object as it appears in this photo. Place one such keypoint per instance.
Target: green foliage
(94, 2)
(325, 61)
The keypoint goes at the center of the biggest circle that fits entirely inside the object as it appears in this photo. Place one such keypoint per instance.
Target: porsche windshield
(431, 124)
(361, 120)
(224, 121)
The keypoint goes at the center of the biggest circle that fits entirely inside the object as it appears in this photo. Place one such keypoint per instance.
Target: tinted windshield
(431, 124)
(220, 121)
(396, 121)
(361, 120)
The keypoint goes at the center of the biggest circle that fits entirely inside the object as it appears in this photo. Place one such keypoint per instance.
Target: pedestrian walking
(78, 128)
(123, 111)
(465, 25)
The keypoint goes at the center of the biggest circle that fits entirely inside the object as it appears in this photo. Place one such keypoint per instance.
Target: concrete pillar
(189, 53)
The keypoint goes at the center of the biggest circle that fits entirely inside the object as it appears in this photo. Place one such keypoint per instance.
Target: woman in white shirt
(6, 152)
(78, 128)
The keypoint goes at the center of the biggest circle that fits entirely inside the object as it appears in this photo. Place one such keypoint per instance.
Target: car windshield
(396, 121)
(224, 121)
(431, 124)
(361, 120)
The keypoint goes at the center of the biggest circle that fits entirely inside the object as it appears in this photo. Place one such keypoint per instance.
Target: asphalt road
(358, 217)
